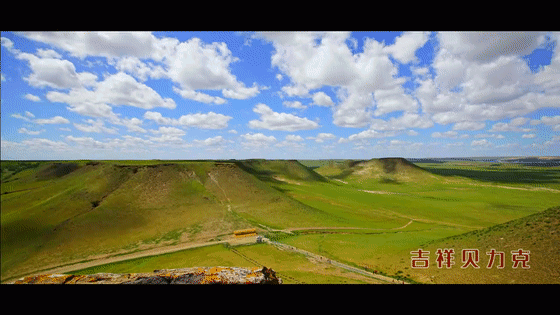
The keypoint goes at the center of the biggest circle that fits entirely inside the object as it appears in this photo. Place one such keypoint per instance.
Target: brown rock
(196, 275)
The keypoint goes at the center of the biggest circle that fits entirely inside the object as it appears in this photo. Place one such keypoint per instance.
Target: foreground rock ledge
(196, 275)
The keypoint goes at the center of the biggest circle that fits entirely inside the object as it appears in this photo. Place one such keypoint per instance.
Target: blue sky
(302, 95)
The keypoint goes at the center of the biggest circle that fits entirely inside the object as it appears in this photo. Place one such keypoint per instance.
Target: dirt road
(336, 263)
(145, 253)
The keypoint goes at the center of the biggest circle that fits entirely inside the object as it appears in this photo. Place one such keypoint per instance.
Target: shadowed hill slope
(72, 212)
(290, 169)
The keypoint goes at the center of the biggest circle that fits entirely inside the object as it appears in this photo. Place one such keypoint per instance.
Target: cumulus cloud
(212, 141)
(53, 120)
(322, 99)
(119, 89)
(209, 120)
(106, 44)
(528, 136)
(257, 140)
(192, 64)
(140, 69)
(294, 104)
(553, 121)
(321, 137)
(54, 73)
(481, 143)
(32, 97)
(369, 134)
(406, 45)
(292, 141)
(513, 125)
(279, 121)
(199, 96)
(447, 134)
(469, 125)
(168, 135)
(30, 132)
(96, 126)
(488, 46)
(40, 144)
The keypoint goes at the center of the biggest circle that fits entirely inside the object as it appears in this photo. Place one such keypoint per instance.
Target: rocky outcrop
(196, 275)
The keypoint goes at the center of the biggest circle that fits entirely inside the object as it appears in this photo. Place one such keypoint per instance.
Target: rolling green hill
(56, 213)
(383, 170)
(53, 213)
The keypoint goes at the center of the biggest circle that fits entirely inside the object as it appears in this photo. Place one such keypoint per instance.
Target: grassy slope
(538, 233)
(149, 202)
(127, 205)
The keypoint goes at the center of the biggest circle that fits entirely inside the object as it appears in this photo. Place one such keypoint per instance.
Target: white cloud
(19, 116)
(406, 45)
(279, 77)
(469, 125)
(53, 120)
(213, 141)
(294, 138)
(169, 131)
(158, 118)
(29, 114)
(106, 44)
(232, 131)
(279, 121)
(295, 90)
(241, 92)
(529, 136)
(87, 142)
(96, 126)
(6, 43)
(199, 96)
(48, 53)
(292, 141)
(488, 46)
(447, 134)
(195, 65)
(412, 133)
(321, 137)
(54, 73)
(553, 121)
(32, 97)
(44, 144)
(30, 132)
(119, 89)
(3, 78)
(322, 99)
(294, 104)
(140, 69)
(513, 125)
(368, 134)
(313, 60)
(209, 120)
(257, 140)
(132, 124)
(481, 143)
(485, 135)
(353, 109)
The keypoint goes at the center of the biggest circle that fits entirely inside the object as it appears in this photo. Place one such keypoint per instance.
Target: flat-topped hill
(385, 170)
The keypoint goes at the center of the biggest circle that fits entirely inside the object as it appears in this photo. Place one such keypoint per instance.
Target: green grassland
(55, 213)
